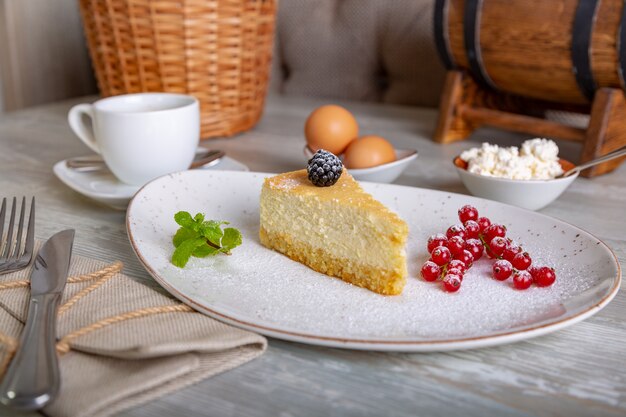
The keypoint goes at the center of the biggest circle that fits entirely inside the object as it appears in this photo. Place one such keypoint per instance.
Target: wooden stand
(466, 106)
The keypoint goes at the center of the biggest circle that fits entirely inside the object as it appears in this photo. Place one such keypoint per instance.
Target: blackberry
(324, 169)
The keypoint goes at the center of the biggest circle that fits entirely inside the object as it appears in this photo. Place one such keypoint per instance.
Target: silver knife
(32, 379)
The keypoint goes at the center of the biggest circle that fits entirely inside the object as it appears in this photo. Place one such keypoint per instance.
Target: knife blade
(33, 379)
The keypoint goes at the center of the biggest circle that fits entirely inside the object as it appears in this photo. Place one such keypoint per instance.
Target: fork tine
(20, 227)
(7, 248)
(3, 211)
(30, 234)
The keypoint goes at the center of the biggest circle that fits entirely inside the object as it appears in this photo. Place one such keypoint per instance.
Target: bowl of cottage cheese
(524, 176)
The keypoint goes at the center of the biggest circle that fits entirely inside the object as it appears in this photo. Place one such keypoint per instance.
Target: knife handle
(32, 379)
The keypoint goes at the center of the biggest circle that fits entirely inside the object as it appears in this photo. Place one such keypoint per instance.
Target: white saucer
(103, 187)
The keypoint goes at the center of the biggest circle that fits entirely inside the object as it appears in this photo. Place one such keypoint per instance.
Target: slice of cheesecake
(339, 230)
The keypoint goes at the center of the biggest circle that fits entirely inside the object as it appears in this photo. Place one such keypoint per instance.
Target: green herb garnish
(200, 238)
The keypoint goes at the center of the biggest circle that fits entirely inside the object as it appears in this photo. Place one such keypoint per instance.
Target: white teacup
(141, 136)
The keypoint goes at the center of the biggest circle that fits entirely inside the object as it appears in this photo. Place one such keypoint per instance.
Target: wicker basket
(217, 50)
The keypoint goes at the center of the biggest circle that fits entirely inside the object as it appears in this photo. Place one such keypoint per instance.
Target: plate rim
(386, 345)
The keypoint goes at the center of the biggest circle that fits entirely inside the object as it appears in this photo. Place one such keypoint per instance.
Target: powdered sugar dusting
(259, 286)
(287, 184)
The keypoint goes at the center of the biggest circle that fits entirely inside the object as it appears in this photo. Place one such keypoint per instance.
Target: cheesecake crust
(382, 281)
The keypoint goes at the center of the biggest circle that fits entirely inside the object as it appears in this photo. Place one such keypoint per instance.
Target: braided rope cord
(99, 277)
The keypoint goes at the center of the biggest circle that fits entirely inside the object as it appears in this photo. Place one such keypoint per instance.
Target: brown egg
(367, 152)
(331, 128)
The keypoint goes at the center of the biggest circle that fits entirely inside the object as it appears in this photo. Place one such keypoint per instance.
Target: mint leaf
(212, 230)
(213, 223)
(184, 234)
(231, 239)
(204, 251)
(200, 238)
(183, 252)
(184, 219)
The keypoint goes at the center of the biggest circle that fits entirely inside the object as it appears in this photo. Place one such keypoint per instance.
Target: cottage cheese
(537, 159)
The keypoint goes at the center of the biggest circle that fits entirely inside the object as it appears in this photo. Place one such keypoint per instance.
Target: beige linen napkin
(122, 343)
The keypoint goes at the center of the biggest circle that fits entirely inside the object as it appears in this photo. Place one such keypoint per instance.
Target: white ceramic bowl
(528, 194)
(384, 173)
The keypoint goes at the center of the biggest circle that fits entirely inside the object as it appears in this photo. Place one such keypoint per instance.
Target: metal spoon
(95, 163)
(611, 155)
(207, 159)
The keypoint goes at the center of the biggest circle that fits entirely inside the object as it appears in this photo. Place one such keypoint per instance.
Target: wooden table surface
(578, 371)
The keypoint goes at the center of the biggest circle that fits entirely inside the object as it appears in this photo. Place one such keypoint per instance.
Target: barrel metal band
(442, 40)
(471, 31)
(581, 46)
(621, 48)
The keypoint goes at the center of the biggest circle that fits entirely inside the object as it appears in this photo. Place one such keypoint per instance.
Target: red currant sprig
(513, 261)
(544, 276)
(454, 252)
(522, 280)
(430, 271)
(448, 262)
(467, 213)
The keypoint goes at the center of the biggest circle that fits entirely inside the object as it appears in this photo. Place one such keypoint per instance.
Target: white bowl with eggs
(385, 173)
(528, 194)
(367, 158)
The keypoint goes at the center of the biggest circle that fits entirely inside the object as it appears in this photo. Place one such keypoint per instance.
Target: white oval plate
(263, 291)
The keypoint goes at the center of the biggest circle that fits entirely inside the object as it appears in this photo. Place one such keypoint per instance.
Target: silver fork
(12, 256)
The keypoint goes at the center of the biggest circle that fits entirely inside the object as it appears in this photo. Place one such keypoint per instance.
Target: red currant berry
(483, 224)
(430, 271)
(457, 264)
(455, 271)
(467, 213)
(472, 230)
(441, 255)
(533, 271)
(475, 247)
(451, 283)
(436, 240)
(466, 257)
(456, 230)
(493, 231)
(456, 244)
(545, 276)
(511, 250)
(502, 269)
(497, 245)
(521, 261)
(522, 280)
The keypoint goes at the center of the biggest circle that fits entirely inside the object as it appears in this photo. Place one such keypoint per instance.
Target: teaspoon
(611, 155)
(95, 163)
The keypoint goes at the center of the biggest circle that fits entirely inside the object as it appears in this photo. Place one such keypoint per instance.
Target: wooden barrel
(555, 50)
